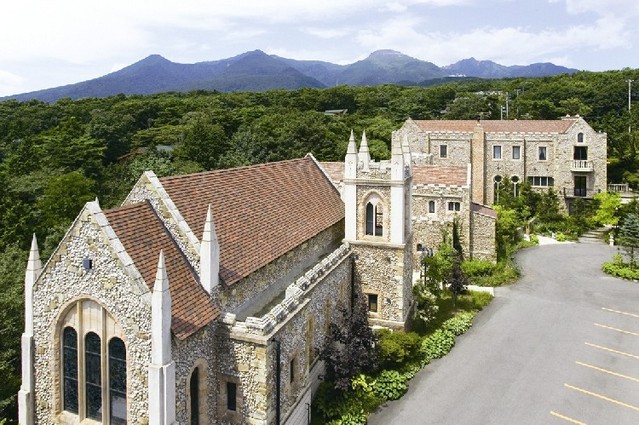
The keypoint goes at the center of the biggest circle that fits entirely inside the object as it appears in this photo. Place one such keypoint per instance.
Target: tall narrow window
(194, 387)
(496, 152)
(542, 153)
(374, 220)
(117, 381)
(70, 369)
(580, 138)
(291, 370)
(231, 396)
(516, 152)
(431, 207)
(372, 302)
(443, 151)
(93, 374)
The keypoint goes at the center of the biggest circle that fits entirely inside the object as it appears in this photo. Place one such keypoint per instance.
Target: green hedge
(620, 270)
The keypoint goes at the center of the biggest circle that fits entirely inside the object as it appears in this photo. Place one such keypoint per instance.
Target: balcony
(618, 187)
(581, 165)
(579, 192)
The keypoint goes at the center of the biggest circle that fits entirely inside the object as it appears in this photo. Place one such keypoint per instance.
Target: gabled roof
(335, 170)
(143, 235)
(260, 212)
(497, 126)
(440, 174)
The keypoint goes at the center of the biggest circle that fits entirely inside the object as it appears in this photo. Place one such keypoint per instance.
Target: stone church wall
(109, 285)
(483, 237)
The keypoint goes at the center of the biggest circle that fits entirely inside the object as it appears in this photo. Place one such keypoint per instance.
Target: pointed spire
(209, 255)
(161, 316)
(34, 268)
(97, 201)
(350, 162)
(352, 147)
(364, 154)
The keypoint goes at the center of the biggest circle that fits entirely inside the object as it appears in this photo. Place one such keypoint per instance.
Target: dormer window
(374, 219)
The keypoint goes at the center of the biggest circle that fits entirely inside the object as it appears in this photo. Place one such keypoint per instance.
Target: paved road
(559, 347)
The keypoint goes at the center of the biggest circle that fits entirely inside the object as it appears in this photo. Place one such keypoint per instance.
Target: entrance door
(580, 185)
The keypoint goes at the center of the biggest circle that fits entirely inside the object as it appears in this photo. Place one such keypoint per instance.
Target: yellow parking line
(616, 329)
(566, 418)
(610, 372)
(603, 397)
(621, 312)
(612, 351)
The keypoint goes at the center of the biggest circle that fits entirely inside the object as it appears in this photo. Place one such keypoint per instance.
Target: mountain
(258, 71)
(488, 69)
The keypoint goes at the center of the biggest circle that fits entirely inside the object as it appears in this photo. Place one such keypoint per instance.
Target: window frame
(432, 207)
(497, 152)
(518, 147)
(580, 137)
(541, 181)
(543, 149)
(374, 217)
(443, 151)
(369, 297)
(454, 206)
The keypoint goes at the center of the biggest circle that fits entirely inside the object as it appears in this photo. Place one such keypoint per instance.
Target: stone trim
(203, 390)
(225, 415)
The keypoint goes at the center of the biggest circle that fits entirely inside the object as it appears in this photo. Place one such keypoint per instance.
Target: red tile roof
(260, 212)
(497, 126)
(335, 170)
(143, 236)
(483, 209)
(438, 174)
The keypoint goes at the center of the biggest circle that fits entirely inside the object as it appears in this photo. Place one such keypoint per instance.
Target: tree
(458, 280)
(607, 209)
(629, 237)
(350, 349)
(426, 302)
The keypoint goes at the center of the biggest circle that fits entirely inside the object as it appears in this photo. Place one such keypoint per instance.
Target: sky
(49, 43)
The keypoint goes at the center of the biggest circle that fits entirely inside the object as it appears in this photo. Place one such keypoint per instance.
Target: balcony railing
(579, 192)
(618, 187)
(581, 165)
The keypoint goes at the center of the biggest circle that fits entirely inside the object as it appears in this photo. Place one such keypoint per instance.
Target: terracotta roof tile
(483, 209)
(335, 170)
(143, 236)
(438, 174)
(497, 126)
(260, 212)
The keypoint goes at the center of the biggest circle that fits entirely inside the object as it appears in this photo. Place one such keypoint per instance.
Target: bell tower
(377, 197)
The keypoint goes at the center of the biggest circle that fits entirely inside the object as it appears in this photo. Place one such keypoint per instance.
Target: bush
(390, 385)
(395, 348)
(623, 271)
(474, 268)
(438, 344)
(459, 324)
(504, 272)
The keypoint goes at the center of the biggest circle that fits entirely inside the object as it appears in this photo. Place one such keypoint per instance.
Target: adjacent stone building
(205, 298)
(566, 154)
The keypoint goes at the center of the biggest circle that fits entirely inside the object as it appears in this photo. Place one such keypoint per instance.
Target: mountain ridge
(258, 71)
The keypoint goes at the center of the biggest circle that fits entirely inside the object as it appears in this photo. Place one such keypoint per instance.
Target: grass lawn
(471, 301)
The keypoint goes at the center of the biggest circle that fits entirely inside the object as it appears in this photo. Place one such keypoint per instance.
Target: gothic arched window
(117, 381)
(70, 370)
(93, 375)
(374, 219)
(194, 387)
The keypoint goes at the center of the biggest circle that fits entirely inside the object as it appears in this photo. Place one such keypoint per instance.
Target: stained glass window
(117, 381)
(70, 369)
(93, 372)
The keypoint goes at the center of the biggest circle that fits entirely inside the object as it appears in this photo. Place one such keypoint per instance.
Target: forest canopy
(56, 157)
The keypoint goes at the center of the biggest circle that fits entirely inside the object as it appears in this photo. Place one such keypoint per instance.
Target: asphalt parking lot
(559, 347)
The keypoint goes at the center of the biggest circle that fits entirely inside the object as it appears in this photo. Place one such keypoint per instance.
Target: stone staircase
(594, 236)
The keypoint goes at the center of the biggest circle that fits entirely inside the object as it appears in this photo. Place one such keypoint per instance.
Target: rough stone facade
(575, 155)
(122, 296)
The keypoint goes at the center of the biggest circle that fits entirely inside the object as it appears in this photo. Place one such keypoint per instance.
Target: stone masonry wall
(483, 237)
(251, 356)
(63, 281)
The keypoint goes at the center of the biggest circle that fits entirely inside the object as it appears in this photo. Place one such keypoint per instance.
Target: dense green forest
(54, 158)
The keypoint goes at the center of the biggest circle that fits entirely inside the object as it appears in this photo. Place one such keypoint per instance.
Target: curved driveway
(560, 346)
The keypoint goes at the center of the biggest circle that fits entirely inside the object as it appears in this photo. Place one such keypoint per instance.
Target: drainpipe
(278, 378)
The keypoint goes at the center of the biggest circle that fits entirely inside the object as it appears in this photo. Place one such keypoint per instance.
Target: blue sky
(47, 43)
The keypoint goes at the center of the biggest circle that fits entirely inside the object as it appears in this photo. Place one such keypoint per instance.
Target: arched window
(70, 370)
(431, 207)
(497, 182)
(374, 219)
(580, 137)
(194, 388)
(94, 376)
(117, 381)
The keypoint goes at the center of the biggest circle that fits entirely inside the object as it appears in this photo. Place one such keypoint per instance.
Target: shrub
(473, 268)
(534, 239)
(459, 324)
(560, 237)
(390, 385)
(438, 344)
(395, 348)
(620, 270)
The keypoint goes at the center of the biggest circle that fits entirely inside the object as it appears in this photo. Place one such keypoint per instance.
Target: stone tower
(377, 197)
